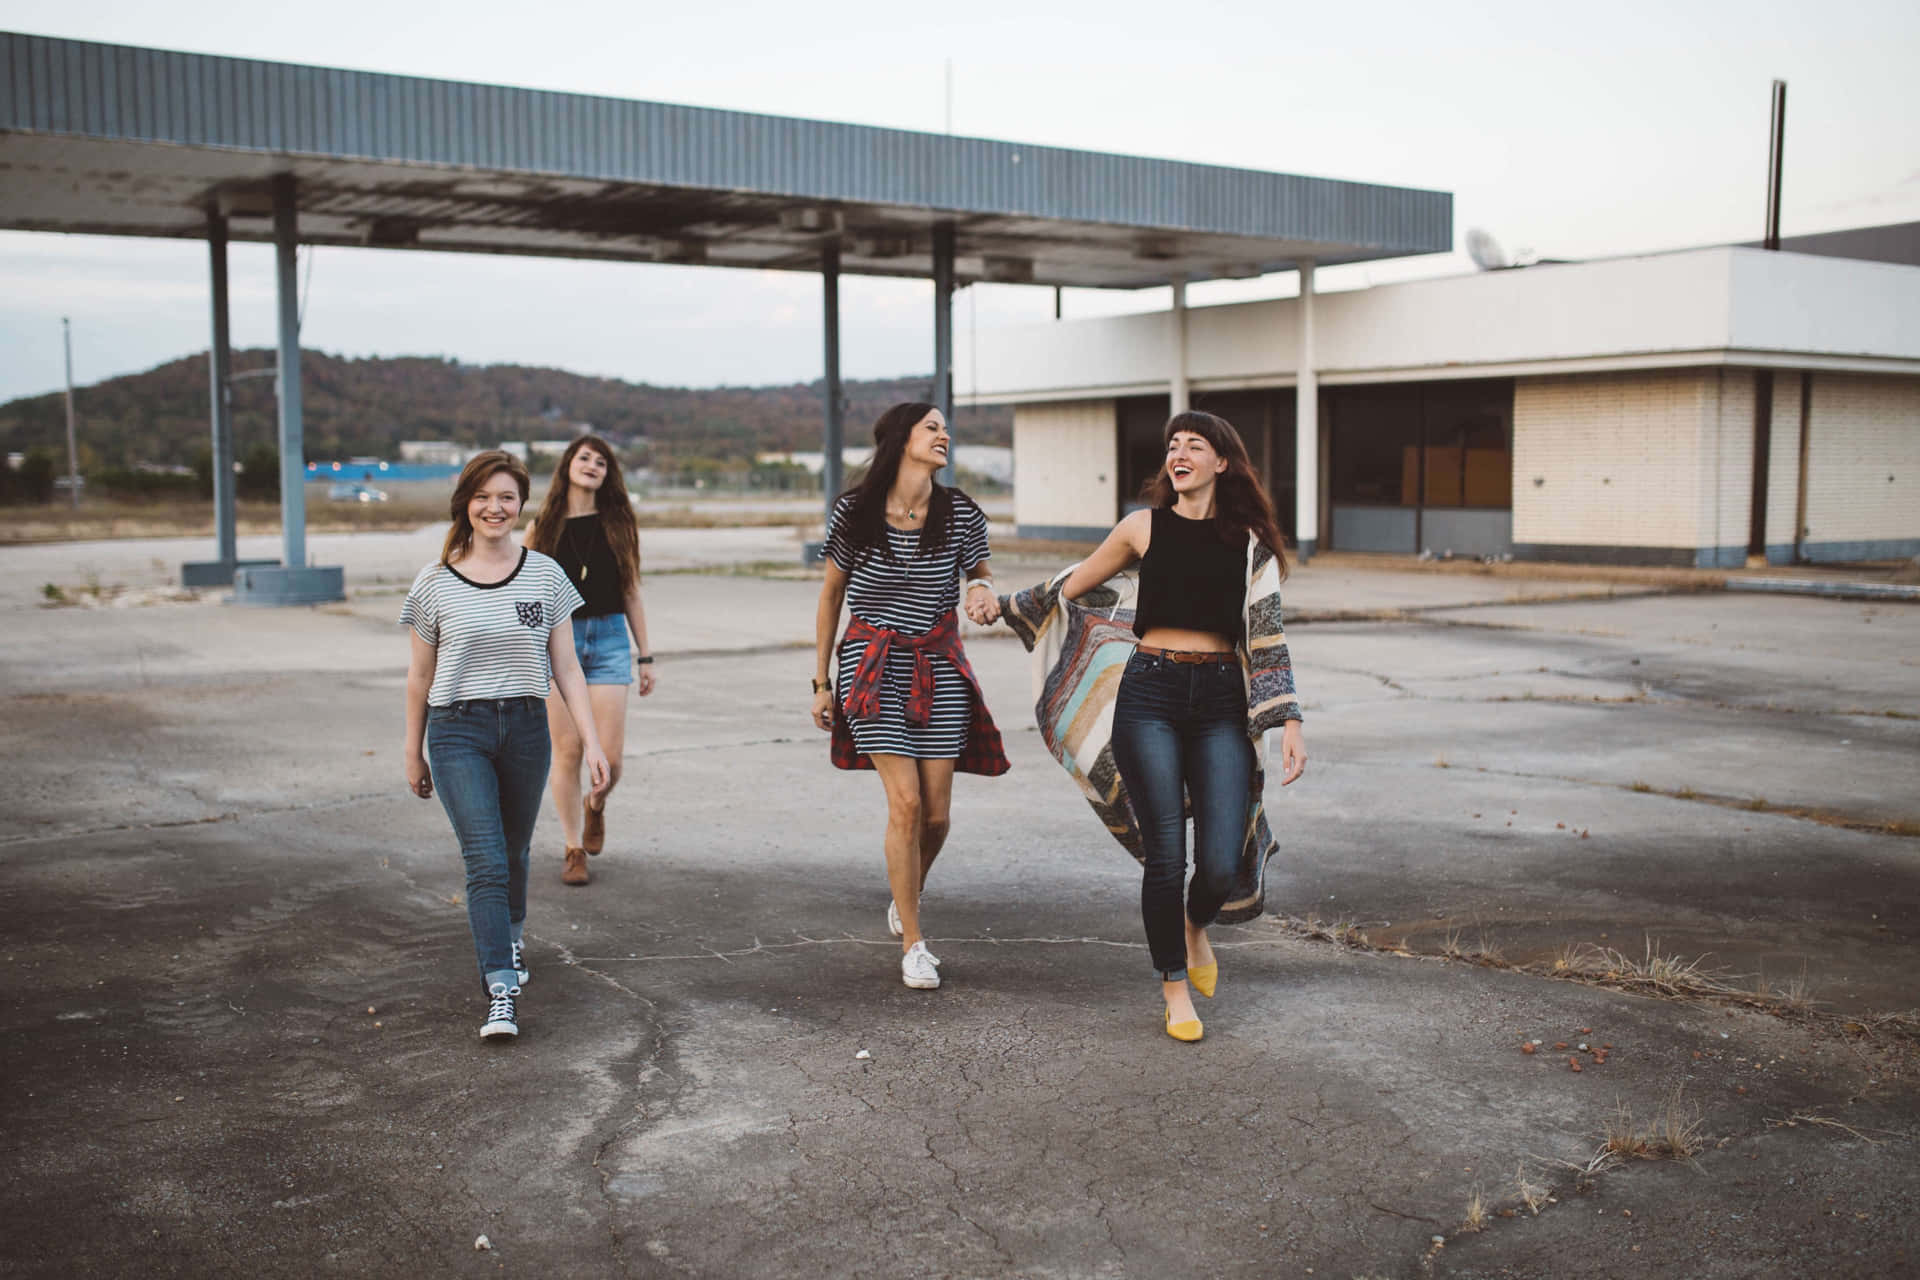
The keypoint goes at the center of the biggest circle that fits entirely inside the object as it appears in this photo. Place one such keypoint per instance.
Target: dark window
(1442, 444)
(1376, 445)
(1143, 422)
(1264, 420)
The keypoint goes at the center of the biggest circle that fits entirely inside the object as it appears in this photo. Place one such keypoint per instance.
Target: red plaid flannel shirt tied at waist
(984, 752)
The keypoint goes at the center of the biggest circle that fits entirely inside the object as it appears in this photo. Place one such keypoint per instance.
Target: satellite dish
(1485, 250)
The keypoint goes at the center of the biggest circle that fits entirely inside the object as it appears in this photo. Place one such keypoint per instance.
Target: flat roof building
(1693, 408)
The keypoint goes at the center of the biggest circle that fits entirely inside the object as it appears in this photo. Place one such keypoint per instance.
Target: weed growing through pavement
(1532, 1194)
(1672, 1134)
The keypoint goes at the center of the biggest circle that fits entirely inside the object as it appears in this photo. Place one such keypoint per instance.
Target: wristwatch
(821, 686)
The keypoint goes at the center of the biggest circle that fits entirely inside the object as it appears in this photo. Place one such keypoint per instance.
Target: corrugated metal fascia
(197, 99)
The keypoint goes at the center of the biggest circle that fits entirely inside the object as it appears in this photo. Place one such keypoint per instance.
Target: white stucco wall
(1703, 307)
(1066, 466)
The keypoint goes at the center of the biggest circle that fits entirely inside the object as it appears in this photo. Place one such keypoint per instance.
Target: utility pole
(73, 453)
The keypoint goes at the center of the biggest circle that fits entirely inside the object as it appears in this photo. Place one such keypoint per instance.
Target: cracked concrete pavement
(240, 1035)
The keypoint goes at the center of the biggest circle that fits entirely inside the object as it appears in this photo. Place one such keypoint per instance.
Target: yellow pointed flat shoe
(1189, 1031)
(1204, 977)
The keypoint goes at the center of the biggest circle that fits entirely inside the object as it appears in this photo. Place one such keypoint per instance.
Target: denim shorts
(605, 652)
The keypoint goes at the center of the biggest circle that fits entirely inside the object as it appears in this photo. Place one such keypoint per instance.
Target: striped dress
(490, 637)
(907, 592)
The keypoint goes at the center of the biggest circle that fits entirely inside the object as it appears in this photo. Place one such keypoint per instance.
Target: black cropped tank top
(1191, 579)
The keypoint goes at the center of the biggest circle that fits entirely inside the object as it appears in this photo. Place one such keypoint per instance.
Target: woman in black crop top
(1180, 719)
(586, 523)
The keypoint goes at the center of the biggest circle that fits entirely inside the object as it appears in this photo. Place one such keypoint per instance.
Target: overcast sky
(1571, 130)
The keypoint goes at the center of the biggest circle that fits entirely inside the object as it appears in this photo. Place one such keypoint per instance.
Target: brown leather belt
(1194, 656)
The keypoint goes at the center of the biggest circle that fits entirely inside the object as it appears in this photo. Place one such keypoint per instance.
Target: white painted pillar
(1306, 428)
(1177, 389)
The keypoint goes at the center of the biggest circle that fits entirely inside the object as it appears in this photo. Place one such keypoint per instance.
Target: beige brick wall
(1864, 429)
(1726, 462)
(1783, 459)
(1066, 465)
(1630, 459)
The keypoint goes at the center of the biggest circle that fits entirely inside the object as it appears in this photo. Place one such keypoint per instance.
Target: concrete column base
(216, 573)
(280, 585)
(1304, 549)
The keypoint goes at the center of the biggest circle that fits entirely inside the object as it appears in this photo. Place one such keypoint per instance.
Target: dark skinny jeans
(1179, 731)
(489, 759)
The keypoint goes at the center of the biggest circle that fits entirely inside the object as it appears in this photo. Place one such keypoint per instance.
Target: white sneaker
(520, 964)
(893, 918)
(919, 968)
(501, 1022)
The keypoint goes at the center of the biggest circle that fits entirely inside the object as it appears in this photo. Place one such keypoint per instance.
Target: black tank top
(1190, 579)
(587, 556)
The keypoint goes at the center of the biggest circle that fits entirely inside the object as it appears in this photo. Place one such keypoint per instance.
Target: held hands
(1293, 752)
(419, 777)
(982, 606)
(598, 770)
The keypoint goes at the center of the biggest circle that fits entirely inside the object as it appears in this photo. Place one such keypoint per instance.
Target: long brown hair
(866, 518)
(1240, 502)
(616, 511)
(480, 468)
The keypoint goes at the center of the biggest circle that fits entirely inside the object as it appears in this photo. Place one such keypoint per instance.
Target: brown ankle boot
(593, 835)
(575, 871)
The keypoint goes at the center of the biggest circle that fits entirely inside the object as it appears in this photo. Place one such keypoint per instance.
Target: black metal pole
(943, 336)
(831, 478)
(1776, 155)
(219, 368)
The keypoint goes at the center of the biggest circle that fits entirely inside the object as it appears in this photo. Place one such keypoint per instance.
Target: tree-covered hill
(366, 406)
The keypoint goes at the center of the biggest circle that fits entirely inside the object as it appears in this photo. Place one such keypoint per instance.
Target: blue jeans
(605, 653)
(1180, 733)
(489, 759)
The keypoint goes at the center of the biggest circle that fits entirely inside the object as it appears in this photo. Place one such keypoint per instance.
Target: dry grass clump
(1672, 1134)
(1532, 1194)
(1343, 930)
(1655, 972)
(1476, 1218)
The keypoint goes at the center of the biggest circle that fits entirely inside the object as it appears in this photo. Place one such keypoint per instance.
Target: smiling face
(1192, 463)
(588, 470)
(494, 508)
(928, 443)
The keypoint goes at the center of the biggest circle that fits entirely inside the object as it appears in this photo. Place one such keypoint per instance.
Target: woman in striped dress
(908, 705)
(489, 631)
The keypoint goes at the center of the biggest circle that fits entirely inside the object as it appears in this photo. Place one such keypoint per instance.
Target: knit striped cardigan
(1080, 650)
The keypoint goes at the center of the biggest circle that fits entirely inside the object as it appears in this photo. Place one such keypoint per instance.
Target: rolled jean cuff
(1172, 975)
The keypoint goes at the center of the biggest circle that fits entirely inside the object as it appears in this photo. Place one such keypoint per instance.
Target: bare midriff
(1186, 641)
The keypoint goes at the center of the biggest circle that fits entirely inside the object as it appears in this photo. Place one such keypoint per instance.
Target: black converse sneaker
(501, 1023)
(520, 964)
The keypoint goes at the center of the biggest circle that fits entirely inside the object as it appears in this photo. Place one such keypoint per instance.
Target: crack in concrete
(230, 815)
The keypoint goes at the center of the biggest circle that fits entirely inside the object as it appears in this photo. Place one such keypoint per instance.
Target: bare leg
(610, 722)
(936, 805)
(1179, 998)
(564, 781)
(901, 778)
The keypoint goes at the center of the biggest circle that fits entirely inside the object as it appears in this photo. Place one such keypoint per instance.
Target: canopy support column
(294, 581)
(943, 337)
(1306, 429)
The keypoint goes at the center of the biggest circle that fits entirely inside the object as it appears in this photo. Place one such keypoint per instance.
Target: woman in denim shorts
(488, 639)
(1181, 728)
(587, 525)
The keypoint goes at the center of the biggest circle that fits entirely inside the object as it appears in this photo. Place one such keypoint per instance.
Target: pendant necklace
(572, 547)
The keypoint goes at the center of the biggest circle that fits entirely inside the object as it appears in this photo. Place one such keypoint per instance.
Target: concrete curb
(1832, 590)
